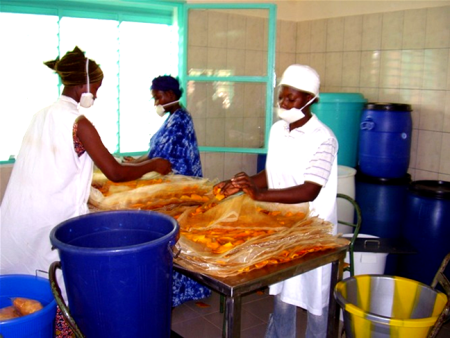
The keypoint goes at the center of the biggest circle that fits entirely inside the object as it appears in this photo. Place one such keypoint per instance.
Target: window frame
(168, 13)
(269, 79)
(163, 12)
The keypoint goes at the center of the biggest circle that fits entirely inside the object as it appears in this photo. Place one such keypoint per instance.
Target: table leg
(232, 327)
(333, 309)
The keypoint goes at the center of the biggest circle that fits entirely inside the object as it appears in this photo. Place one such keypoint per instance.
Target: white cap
(301, 77)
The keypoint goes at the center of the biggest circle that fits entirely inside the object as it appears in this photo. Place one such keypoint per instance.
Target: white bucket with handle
(346, 186)
(370, 263)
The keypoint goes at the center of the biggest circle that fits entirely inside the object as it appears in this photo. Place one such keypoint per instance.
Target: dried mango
(26, 306)
(217, 193)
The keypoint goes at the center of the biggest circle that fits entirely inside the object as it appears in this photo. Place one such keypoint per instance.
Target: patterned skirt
(62, 329)
(185, 289)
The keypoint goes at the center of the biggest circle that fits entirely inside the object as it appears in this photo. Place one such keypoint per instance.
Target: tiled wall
(223, 43)
(401, 57)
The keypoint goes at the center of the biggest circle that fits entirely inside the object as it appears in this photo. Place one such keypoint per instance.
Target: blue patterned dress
(176, 142)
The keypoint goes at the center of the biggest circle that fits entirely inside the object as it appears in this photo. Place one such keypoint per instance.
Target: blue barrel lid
(388, 106)
(405, 179)
(341, 97)
(432, 189)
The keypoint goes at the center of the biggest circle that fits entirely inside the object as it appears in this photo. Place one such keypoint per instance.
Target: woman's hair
(166, 83)
(72, 68)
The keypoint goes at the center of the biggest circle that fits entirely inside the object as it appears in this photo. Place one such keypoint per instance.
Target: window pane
(130, 54)
(146, 51)
(98, 38)
(27, 85)
(228, 114)
(233, 40)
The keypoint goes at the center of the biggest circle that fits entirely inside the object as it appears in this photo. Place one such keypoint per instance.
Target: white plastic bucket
(346, 185)
(369, 263)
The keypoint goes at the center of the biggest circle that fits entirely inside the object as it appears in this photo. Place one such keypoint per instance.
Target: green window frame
(269, 79)
(154, 12)
(171, 13)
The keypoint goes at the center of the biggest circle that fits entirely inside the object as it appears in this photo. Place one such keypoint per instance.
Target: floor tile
(257, 331)
(205, 321)
(261, 308)
(197, 328)
(183, 313)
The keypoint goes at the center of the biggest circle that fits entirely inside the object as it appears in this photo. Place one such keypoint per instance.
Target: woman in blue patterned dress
(176, 141)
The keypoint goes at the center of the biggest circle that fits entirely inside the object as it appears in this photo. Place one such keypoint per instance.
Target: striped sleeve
(320, 166)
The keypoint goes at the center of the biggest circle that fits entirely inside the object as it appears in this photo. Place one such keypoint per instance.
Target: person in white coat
(51, 178)
(301, 166)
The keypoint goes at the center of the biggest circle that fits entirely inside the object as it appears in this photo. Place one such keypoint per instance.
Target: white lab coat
(49, 183)
(289, 157)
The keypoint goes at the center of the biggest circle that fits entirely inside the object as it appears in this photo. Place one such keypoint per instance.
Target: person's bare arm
(113, 170)
(255, 188)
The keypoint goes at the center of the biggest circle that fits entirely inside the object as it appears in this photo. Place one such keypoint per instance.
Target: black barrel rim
(405, 179)
(428, 188)
(386, 106)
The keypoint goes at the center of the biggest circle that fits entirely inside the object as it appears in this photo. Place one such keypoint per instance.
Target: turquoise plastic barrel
(117, 269)
(341, 112)
(385, 139)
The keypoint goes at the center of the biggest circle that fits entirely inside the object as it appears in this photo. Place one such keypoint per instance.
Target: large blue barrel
(383, 204)
(385, 139)
(341, 112)
(117, 269)
(383, 208)
(261, 162)
(427, 228)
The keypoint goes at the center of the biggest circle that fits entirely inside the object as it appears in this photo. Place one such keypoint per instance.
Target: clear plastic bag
(221, 237)
(170, 194)
(239, 235)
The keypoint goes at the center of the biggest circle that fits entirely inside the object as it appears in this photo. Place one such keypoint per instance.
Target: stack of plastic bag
(170, 194)
(239, 235)
(220, 237)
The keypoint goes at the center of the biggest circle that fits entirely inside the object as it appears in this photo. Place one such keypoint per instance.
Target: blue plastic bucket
(36, 325)
(117, 269)
(341, 112)
(385, 140)
(427, 228)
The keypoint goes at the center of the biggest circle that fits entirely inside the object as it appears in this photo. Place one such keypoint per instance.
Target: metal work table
(236, 286)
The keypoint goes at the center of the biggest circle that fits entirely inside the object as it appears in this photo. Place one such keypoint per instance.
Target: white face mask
(160, 108)
(293, 114)
(87, 99)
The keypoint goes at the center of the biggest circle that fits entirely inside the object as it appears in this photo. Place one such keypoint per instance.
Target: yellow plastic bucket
(377, 306)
